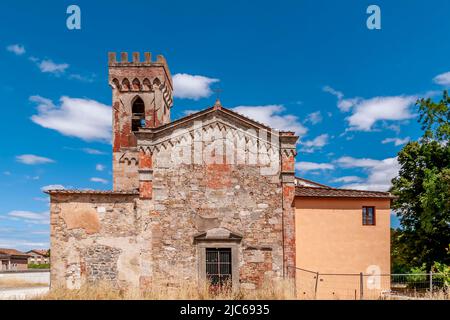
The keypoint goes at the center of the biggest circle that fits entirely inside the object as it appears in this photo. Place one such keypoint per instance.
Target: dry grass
(272, 290)
(17, 283)
(435, 295)
(275, 289)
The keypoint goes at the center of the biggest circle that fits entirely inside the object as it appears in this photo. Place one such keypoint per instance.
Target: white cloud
(42, 199)
(443, 79)
(316, 143)
(82, 118)
(52, 187)
(310, 166)
(366, 112)
(396, 141)
(347, 179)
(100, 180)
(187, 86)
(33, 159)
(93, 151)
(30, 217)
(314, 118)
(99, 167)
(17, 49)
(82, 78)
(188, 112)
(7, 173)
(380, 172)
(22, 244)
(272, 115)
(334, 92)
(48, 66)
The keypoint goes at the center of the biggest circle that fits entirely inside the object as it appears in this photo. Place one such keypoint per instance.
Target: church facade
(209, 197)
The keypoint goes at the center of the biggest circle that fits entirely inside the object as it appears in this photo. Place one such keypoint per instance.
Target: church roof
(216, 108)
(328, 192)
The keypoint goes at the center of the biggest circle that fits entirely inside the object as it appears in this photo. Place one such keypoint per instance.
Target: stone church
(212, 196)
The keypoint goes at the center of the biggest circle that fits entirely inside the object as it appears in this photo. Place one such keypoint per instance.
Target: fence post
(431, 282)
(361, 286)
(315, 287)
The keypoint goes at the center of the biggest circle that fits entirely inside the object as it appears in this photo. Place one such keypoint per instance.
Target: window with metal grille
(368, 216)
(218, 265)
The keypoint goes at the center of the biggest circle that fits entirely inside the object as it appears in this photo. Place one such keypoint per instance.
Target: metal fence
(360, 286)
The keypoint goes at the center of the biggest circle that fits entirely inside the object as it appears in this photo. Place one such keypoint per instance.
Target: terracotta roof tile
(39, 251)
(12, 252)
(301, 191)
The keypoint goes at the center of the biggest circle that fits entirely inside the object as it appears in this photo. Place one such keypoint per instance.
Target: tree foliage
(423, 190)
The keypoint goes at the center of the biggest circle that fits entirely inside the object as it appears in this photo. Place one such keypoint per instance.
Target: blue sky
(311, 66)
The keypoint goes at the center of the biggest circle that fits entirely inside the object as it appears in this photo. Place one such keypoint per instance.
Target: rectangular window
(218, 265)
(368, 216)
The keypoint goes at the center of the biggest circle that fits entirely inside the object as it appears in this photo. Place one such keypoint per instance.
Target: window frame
(365, 216)
(218, 264)
(233, 245)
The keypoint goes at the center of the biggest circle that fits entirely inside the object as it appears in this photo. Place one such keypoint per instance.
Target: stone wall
(94, 237)
(191, 199)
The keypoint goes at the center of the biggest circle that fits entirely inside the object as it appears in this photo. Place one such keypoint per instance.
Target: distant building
(37, 256)
(12, 259)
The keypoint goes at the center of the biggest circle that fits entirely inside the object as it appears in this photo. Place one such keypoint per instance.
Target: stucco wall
(94, 237)
(330, 238)
(28, 276)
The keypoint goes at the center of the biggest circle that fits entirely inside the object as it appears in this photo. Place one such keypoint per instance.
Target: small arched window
(138, 114)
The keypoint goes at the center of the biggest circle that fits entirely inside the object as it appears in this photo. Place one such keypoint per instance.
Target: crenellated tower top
(126, 67)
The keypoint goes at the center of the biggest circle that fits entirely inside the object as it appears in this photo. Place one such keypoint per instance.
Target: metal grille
(218, 265)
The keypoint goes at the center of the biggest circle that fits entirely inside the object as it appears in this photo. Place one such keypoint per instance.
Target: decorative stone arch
(136, 84)
(147, 86)
(126, 85)
(218, 238)
(115, 83)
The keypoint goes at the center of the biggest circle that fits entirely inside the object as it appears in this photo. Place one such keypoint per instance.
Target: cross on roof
(217, 90)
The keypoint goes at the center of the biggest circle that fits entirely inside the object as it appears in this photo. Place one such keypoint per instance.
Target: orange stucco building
(339, 234)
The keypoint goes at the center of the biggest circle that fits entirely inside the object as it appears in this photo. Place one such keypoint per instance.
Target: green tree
(423, 189)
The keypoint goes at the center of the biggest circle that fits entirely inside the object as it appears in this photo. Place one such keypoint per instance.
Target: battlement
(135, 59)
(124, 67)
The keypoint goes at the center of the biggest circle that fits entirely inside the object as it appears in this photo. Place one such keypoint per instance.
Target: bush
(444, 276)
(38, 266)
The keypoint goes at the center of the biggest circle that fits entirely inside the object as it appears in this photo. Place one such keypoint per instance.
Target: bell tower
(141, 97)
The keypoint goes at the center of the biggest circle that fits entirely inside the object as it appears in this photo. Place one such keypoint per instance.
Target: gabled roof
(12, 252)
(215, 109)
(328, 192)
(39, 252)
